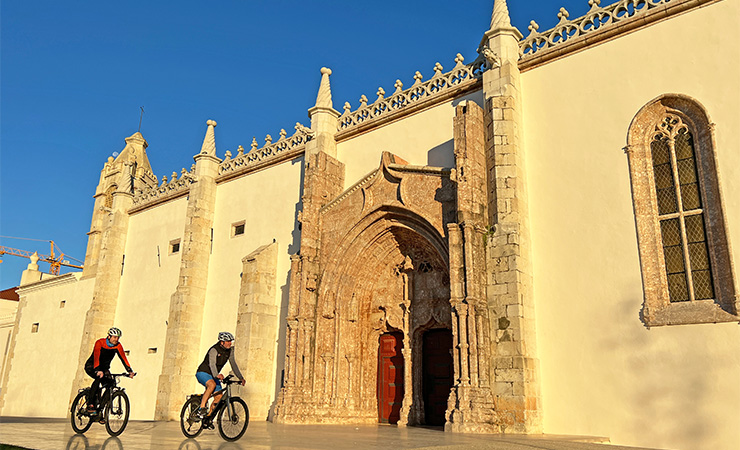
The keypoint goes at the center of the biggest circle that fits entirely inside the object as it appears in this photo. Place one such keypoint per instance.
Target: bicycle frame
(226, 395)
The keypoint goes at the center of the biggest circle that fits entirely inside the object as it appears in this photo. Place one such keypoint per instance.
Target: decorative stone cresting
(271, 149)
(172, 187)
(596, 18)
(437, 85)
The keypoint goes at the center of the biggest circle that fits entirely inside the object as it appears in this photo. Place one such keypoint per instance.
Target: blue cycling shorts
(204, 377)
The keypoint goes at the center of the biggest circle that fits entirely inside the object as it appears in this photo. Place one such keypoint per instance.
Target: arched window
(109, 196)
(684, 253)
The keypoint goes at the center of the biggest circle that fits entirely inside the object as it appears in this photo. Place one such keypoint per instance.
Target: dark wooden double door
(436, 382)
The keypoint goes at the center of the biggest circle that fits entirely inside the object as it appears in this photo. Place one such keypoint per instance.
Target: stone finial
(363, 101)
(380, 93)
(398, 85)
(533, 27)
(347, 108)
(254, 143)
(174, 175)
(563, 14)
(209, 142)
(438, 69)
(418, 77)
(324, 97)
(241, 150)
(500, 17)
(283, 134)
(459, 60)
(594, 3)
(268, 140)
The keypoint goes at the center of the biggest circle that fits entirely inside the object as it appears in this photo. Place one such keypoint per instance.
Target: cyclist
(98, 365)
(209, 375)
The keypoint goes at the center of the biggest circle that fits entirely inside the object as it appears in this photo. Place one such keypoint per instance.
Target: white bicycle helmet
(225, 336)
(114, 332)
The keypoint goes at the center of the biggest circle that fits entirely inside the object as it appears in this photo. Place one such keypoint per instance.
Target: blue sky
(74, 74)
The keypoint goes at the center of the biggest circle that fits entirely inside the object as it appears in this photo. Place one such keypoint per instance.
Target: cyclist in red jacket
(98, 365)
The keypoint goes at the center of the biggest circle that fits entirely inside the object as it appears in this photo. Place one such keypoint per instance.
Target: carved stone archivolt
(383, 268)
(379, 262)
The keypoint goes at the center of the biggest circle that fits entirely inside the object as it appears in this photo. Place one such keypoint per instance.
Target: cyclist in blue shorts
(208, 373)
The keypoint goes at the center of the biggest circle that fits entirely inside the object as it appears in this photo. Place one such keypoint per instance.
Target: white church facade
(537, 241)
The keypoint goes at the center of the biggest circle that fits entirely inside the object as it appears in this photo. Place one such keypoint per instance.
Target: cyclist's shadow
(80, 442)
(192, 444)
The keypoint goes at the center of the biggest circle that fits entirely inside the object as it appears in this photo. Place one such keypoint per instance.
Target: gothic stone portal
(383, 270)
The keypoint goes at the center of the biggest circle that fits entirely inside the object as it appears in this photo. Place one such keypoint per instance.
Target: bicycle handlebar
(121, 374)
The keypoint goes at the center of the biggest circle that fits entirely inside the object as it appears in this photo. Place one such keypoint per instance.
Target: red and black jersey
(103, 354)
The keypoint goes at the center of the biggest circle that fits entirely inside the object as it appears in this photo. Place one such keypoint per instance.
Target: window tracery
(684, 251)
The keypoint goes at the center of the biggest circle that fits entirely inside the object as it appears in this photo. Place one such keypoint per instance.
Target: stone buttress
(104, 260)
(510, 297)
(182, 344)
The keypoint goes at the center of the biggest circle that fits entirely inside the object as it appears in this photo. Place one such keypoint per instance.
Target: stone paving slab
(57, 434)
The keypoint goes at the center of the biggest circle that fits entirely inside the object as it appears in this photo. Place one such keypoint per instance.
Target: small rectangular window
(152, 350)
(35, 328)
(174, 246)
(237, 228)
(62, 303)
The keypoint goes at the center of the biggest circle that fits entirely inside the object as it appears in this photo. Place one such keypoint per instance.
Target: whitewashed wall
(423, 139)
(603, 372)
(149, 279)
(49, 356)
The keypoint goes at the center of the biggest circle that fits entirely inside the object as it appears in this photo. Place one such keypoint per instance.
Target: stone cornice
(598, 25)
(67, 278)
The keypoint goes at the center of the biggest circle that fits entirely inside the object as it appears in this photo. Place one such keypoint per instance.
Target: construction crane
(55, 262)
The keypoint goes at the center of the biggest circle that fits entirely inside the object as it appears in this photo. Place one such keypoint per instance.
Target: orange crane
(55, 262)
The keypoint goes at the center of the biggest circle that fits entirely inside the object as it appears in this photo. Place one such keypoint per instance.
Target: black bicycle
(230, 412)
(113, 410)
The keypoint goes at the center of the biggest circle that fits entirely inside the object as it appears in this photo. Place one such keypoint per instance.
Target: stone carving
(595, 19)
(419, 91)
(168, 189)
(491, 56)
(270, 150)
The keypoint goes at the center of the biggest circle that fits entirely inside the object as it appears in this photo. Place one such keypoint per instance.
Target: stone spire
(209, 142)
(324, 98)
(500, 17)
(324, 119)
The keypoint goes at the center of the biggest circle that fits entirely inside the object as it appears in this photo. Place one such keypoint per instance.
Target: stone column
(256, 327)
(470, 408)
(510, 299)
(182, 345)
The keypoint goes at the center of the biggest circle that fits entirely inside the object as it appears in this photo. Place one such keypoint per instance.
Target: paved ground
(57, 434)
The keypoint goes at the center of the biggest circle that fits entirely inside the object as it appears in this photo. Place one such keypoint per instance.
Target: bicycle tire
(117, 411)
(239, 421)
(80, 422)
(189, 427)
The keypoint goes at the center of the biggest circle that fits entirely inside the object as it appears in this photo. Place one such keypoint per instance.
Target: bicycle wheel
(232, 427)
(116, 413)
(81, 421)
(189, 426)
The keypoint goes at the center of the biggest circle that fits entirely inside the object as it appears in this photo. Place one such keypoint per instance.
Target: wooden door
(438, 374)
(390, 377)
